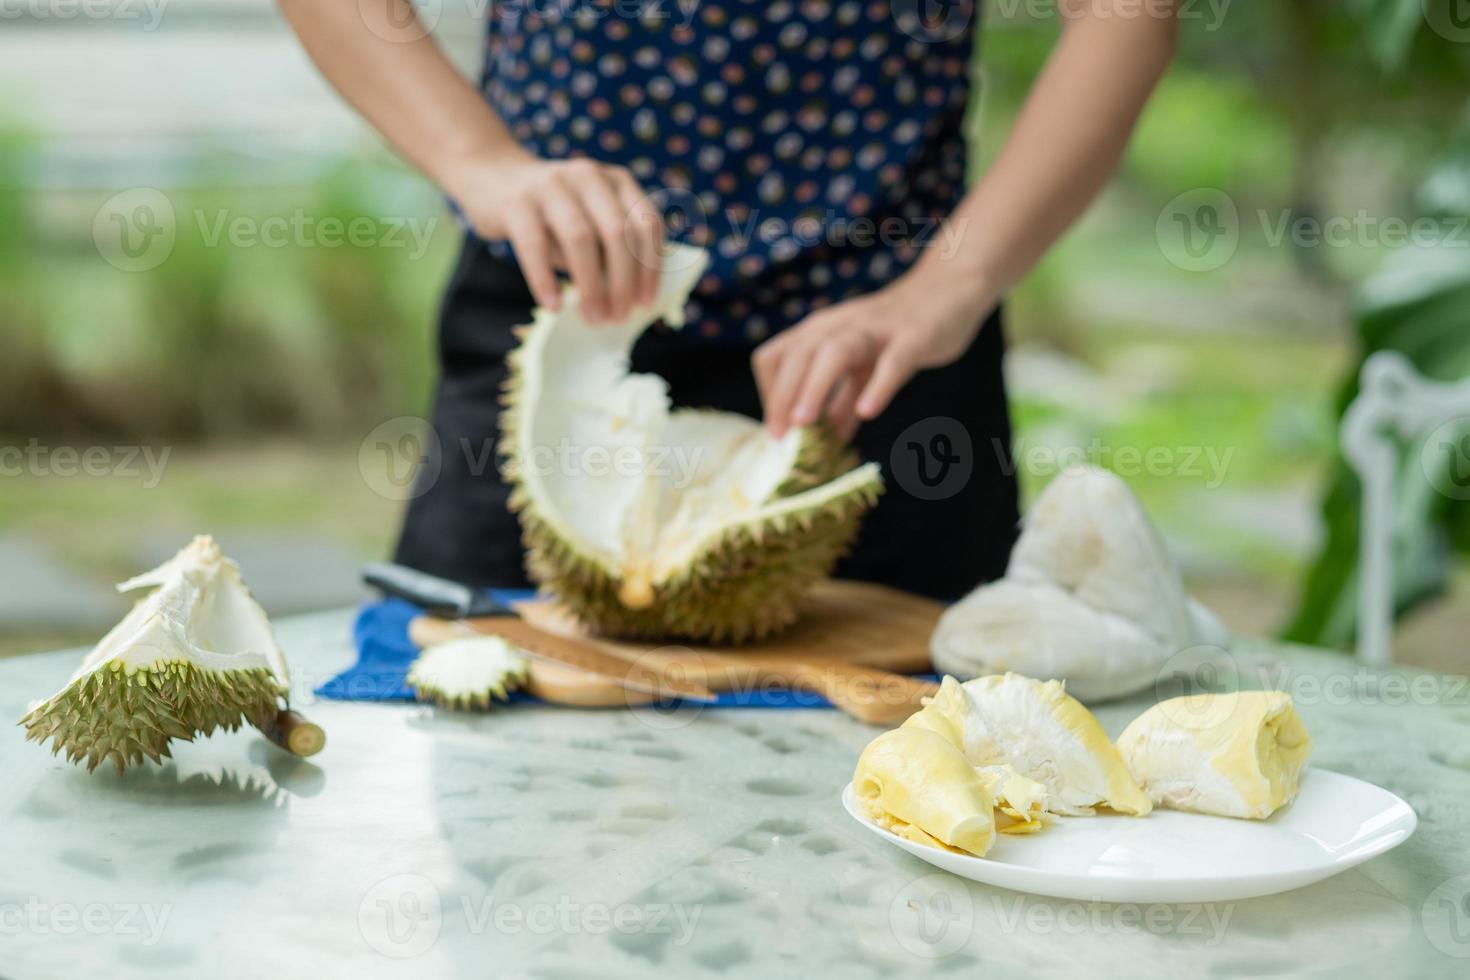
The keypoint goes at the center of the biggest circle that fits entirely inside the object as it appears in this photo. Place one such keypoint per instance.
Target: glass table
(544, 842)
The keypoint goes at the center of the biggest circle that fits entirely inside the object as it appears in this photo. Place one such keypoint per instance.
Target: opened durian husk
(195, 654)
(717, 532)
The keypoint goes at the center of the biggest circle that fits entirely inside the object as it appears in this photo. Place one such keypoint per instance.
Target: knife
(454, 600)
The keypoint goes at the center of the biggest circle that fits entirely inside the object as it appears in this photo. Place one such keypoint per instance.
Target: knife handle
(441, 597)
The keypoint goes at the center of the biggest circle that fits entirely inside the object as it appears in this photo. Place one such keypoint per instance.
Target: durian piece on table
(648, 522)
(195, 654)
(468, 674)
(1036, 730)
(1090, 596)
(1232, 755)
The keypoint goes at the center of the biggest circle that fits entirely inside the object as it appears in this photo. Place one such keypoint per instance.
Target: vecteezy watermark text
(1208, 464)
(126, 462)
(35, 917)
(147, 12)
(402, 916)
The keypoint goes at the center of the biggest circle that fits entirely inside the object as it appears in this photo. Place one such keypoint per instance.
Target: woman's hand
(589, 219)
(849, 360)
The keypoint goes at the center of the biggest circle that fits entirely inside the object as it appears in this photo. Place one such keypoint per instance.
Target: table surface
(547, 842)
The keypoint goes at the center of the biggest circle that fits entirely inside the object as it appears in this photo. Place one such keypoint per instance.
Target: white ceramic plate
(1335, 823)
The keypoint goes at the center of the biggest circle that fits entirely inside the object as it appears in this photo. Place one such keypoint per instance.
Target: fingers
(842, 409)
(643, 231)
(785, 386)
(581, 248)
(766, 362)
(894, 368)
(533, 249)
(833, 361)
(620, 270)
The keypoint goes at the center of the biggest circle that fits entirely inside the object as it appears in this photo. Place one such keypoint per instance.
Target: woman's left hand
(848, 361)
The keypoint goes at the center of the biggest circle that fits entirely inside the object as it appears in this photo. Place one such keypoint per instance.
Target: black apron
(945, 523)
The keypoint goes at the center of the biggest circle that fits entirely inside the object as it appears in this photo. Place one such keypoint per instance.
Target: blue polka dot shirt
(812, 146)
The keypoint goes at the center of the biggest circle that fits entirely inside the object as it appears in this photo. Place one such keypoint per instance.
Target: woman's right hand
(589, 219)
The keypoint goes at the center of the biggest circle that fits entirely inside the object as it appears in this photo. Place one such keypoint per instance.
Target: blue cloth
(384, 654)
(812, 145)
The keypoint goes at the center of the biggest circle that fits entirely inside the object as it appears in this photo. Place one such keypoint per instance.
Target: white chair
(1397, 405)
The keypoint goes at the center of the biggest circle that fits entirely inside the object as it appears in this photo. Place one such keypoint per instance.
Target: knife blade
(455, 601)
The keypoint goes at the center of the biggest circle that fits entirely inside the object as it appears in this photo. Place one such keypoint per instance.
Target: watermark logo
(135, 230)
(1202, 669)
(646, 671)
(401, 916)
(1199, 230)
(933, 917)
(401, 458)
(1445, 458)
(401, 23)
(933, 459)
(933, 21)
(1445, 917)
(1450, 19)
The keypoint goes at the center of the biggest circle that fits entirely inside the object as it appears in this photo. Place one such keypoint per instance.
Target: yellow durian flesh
(943, 713)
(1046, 735)
(914, 779)
(1020, 802)
(1232, 755)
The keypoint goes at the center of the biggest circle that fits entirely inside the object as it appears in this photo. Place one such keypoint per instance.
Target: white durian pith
(915, 783)
(194, 655)
(1090, 595)
(1233, 755)
(651, 522)
(469, 674)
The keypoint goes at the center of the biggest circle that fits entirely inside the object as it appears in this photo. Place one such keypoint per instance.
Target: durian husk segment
(195, 655)
(469, 674)
(1232, 755)
(746, 583)
(739, 579)
(1045, 734)
(915, 783)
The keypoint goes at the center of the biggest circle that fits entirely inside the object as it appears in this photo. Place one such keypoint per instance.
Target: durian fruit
(1044, 734)
(194, 655)
(915, 783)
(1021, 803)
(1090, 596)
(652, 523)
(469, 674)
(1233, 755)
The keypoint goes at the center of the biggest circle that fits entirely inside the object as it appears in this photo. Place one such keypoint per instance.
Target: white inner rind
(200, 612)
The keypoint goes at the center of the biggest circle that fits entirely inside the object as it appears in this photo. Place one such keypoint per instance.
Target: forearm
(397, 78)
(1064, 146)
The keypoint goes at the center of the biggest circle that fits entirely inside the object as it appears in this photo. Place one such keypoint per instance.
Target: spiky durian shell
(126, 715)
(747, 586)
(433, 675)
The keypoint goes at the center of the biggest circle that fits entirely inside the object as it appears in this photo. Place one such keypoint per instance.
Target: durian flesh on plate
(915, 783)
(469, 674)
(194, 655)
(1039, 732)
(1232, 755)
(654, 522)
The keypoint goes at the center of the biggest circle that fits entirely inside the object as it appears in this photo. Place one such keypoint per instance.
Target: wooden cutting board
(851, 644)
